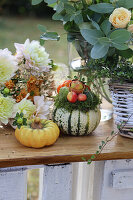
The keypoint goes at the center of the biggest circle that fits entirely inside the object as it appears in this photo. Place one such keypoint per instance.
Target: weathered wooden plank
(66, 149)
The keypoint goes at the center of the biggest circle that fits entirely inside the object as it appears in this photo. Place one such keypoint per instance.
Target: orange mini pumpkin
(38, 133)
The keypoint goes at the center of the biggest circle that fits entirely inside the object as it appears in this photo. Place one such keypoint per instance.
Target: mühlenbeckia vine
(109, 138)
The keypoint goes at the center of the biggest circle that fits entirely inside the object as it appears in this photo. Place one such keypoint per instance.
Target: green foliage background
(24, 8)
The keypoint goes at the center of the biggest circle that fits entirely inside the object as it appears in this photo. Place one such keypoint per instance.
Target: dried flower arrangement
(26, 83)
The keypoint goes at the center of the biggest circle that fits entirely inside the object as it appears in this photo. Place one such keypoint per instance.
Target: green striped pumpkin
(76, 123)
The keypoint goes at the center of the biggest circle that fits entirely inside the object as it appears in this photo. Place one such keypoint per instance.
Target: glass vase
(79, 51)
(79, 56)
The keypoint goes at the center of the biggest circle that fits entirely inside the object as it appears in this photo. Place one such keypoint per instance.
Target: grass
(19, 29)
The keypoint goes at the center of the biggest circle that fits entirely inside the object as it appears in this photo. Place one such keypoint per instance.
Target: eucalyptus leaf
(57, 16)
(106, 26)
(50, 36)
(60, 7)
(99, 50)
(52, 5)
(69, 8)
(94, 23)
(35, 2)
(125, 3)
(120, 36)
(86, 25)
(91, 35)
(50, 1)
(104, 41)
(102, 8)
(42, 28)
(78, 19)
(97, 17)
(120, 46)
(66, 17)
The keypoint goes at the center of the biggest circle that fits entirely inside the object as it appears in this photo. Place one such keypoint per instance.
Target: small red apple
(72, 97)
(82, 97)
(76, 86)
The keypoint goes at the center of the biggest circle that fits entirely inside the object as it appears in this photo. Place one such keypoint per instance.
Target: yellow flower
(6, 108)
(130, 28)
(120, 17)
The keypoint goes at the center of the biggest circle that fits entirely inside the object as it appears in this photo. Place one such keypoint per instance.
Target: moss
(90, 104)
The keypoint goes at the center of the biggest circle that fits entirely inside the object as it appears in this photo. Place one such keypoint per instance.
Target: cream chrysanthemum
(6, 108)
(26, 107)
(35, 55)
(8, 65)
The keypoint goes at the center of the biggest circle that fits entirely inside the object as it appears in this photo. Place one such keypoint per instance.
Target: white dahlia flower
(8, 65)
(34, 54)
(26, 107)
(42, 107)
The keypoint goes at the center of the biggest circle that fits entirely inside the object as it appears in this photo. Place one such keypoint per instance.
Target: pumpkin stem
(37, 124)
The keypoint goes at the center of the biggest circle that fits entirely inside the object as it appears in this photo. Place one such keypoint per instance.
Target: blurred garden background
(19, 21)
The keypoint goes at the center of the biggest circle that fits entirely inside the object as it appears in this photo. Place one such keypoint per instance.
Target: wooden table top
(66, 149)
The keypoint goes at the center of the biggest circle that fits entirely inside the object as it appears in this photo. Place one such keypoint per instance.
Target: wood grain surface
(66, 149)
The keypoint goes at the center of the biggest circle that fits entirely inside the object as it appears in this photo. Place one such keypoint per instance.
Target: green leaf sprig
(19, 120)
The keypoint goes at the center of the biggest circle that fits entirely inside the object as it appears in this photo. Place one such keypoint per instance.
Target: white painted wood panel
(13, 184)
(106, 186)
(57, 182)
(83, 175)
(81, 181)
(123, 179)
(41, 173)
(98, 179)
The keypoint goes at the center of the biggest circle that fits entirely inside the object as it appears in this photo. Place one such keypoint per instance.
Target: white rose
(89, 2)
(120, 17)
